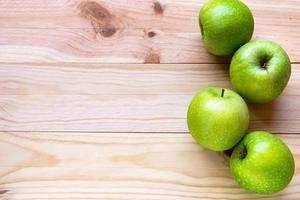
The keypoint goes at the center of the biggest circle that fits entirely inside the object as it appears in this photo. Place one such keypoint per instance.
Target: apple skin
(225, 26)
(259, 71)
(217, 122)
(262, 163)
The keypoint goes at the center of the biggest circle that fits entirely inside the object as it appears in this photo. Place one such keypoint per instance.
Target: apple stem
(222, 94)
(264, 65)
(243, 153)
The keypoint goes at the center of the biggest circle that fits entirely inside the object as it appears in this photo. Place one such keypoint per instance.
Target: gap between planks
(116, 64)
(70, 133)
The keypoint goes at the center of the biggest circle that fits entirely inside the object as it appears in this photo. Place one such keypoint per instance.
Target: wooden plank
(123, 98)
(115, 79)
(120, 166)
(127, 113)
(118, 79)
(131, 31)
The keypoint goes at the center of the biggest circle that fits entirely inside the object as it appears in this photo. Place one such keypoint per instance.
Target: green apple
(262, 163)
(217, 118)
(260, 70)
(225, 26)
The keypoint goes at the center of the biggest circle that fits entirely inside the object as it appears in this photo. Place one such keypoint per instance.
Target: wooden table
(94, 97)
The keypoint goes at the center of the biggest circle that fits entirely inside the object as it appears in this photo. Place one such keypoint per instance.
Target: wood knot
(158, 8)
(151, 34)
(152, 58)
(94, 11)
(108, 30)
(101, 19)
(4, 194)
(3, 191)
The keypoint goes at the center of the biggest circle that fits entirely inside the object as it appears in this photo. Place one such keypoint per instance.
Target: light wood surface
(127, 31)
(120, 166)
(124, 98)
(93, 100)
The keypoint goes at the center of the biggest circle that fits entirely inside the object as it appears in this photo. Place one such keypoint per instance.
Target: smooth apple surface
(217, 118)
(225, 26)
(260, 70)
(262, 163)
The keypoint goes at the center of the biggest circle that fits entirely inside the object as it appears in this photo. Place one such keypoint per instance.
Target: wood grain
(115, 79)
(123, 98)
(127, 31)
(119, 79)
(120, 166)
(118, 131)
